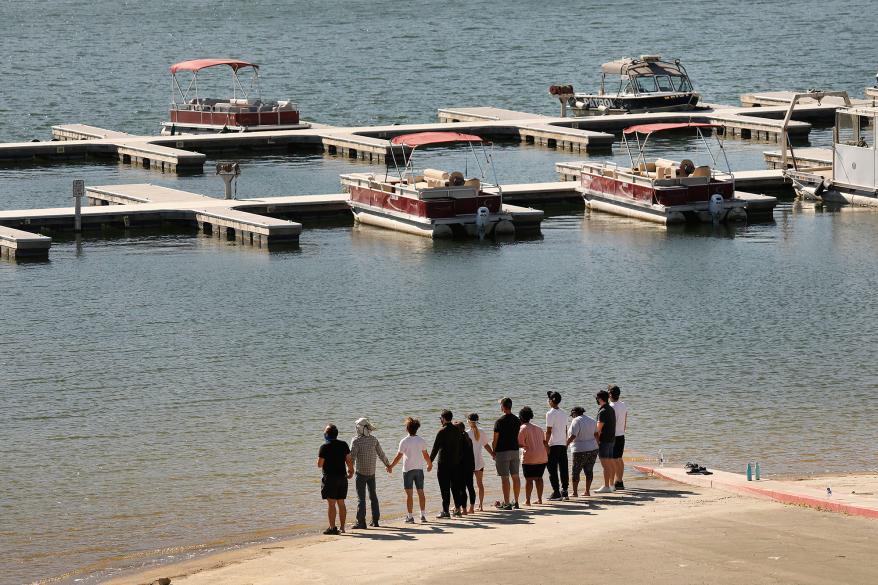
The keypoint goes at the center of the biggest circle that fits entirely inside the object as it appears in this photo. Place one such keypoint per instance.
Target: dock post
(78, 193)
(229, 171)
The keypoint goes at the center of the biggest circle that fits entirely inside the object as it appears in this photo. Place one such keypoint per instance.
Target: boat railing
(269, 113)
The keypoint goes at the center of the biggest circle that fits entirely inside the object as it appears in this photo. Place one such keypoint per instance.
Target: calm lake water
(162, 393)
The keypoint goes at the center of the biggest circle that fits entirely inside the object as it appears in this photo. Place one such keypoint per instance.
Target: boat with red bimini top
(432, 203)
(244, 111)
(661, 190)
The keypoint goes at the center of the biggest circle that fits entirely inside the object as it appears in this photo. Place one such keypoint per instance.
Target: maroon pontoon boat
(244, 111)
(432, 202)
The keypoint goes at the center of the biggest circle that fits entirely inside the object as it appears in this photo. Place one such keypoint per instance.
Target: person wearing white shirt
(556, 444)
(413, 451)
(621, 410)
(481, 440)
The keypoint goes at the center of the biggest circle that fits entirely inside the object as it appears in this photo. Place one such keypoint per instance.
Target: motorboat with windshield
(244, 111)
(661, 190)
(434, 203)
(645, 84)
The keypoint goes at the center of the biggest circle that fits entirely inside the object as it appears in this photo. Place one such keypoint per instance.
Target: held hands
(350, 474)
(430, 467)
(389, 468)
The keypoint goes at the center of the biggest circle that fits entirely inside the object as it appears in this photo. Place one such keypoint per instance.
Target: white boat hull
(495, 225)
(733, 209)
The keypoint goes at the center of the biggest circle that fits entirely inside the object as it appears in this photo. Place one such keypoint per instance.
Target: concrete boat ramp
(262, 222)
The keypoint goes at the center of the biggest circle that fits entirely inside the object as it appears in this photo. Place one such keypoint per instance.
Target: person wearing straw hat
(365, 451)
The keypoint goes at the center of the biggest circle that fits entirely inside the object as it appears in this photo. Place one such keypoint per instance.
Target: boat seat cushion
(688, 181)
(703, 171)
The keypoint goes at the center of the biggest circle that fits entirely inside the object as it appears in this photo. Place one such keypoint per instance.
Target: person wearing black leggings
(466, 472)
(447, 447)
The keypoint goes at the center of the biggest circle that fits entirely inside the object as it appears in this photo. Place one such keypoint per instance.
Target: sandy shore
(658, 531)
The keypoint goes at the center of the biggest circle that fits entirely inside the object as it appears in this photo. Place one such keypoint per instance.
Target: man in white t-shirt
(621, 410)
(556, 442)
(413, 452)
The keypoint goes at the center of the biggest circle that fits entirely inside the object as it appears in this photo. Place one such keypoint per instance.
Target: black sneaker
(619, 485)
(555, 497)
(358, 526)
(443, 515)
(374, 524)
(564, 496)
(515, 506)
(332, 530)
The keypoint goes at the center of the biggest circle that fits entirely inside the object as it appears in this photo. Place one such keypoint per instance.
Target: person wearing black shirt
(332, 458)
(606, 437)
(506, 457)
(447, 447)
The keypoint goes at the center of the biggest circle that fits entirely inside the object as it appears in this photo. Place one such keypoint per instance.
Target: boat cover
(424, 138)
(199, 64)
(649, 128)
(639, 67)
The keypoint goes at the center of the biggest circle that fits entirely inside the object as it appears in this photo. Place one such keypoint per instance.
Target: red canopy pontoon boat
(243, 112)
(661, 190)
(432, 202)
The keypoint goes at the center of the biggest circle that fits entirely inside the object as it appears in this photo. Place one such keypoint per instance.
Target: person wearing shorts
(606, 437)
(413, 453)
(506, 458)
(585, 448)
(535, 455)
(621, 411)
(332, 458)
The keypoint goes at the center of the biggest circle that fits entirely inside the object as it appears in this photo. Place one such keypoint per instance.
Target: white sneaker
(607, 489)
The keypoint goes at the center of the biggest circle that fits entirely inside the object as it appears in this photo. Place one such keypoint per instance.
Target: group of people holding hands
(458, 451)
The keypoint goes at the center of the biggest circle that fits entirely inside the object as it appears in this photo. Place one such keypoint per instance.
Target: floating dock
(742, 122)
(248, 221)
(810, 158)
(21, 245)
(186, 153)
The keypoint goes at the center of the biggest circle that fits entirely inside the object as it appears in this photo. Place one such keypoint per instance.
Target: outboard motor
(715, 206)
(481, 221)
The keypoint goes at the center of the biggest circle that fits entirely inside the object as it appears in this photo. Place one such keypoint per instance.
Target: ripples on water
(162, 391)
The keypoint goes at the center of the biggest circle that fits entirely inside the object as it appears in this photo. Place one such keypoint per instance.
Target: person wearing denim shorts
(413, 453)
(506, 457)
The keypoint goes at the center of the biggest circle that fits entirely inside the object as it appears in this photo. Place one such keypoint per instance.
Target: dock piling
(78, 193)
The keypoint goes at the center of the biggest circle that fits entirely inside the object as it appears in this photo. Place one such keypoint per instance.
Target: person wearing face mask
(332, 458)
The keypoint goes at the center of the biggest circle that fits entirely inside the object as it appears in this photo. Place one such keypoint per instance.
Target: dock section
(17, 244)
(262, 222)
(186, 153)
(809, 158)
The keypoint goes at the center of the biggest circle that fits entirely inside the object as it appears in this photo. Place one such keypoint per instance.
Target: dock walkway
(248, 221)
(808, 158)
(187, 152)
(21, 245)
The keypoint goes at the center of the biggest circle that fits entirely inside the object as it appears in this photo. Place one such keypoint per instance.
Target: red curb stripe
(783, 497)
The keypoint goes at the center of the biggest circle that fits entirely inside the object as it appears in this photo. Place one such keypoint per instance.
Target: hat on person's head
(364, 423)
(473, 417)
(554, 396)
